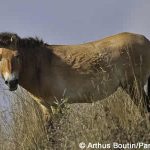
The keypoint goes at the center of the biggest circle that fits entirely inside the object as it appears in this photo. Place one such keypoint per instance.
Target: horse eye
(17, 56)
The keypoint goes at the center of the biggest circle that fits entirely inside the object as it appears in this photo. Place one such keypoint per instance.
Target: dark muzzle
(12, 84)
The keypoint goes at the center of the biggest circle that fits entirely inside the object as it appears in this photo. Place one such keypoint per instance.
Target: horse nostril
(16, 81)
(6, 82)
(13, 82)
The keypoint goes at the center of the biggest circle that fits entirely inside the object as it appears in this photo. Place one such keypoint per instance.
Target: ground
(115, 119)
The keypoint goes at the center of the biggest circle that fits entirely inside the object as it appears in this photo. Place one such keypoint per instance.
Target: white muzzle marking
(10, 76)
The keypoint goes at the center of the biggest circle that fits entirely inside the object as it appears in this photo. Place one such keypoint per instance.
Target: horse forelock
(8, 40)
(13, 41)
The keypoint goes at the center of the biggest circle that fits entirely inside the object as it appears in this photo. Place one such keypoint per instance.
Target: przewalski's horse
(82, 73)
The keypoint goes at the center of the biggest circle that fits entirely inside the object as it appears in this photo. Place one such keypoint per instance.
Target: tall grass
(22, 126)
(115, 119)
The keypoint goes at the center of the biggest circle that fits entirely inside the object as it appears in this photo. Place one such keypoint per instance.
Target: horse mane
(13, 41)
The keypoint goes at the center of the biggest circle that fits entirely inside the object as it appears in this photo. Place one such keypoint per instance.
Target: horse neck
(29, 68)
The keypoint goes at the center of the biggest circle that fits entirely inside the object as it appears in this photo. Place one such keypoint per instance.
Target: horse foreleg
(45, 108)
(47, 113)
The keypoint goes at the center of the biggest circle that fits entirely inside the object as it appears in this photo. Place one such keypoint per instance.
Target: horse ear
(12, 39)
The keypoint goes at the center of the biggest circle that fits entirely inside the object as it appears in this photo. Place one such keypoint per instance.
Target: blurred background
(70, 22)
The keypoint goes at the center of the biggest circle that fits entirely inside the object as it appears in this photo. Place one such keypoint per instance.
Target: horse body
(86, 72)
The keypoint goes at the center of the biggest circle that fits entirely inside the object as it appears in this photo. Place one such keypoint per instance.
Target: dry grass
(115, 119)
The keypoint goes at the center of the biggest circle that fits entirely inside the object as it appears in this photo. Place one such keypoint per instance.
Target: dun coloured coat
(80, 73)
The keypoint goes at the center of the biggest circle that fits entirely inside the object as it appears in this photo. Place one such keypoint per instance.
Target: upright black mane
(13, 41)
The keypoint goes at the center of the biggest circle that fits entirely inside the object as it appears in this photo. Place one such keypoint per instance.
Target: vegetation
(115, 119)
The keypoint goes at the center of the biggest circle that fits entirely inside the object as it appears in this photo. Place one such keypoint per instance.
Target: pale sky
(74, 21)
